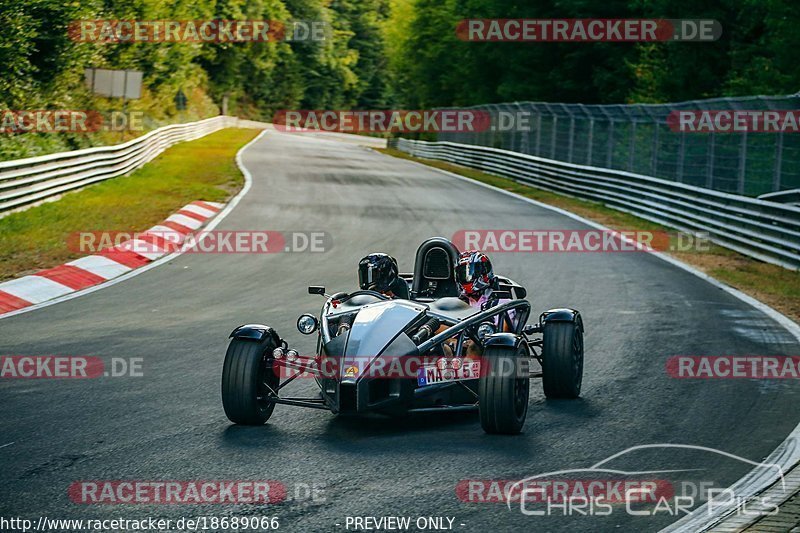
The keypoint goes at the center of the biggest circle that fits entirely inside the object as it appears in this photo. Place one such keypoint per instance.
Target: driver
(378, 272)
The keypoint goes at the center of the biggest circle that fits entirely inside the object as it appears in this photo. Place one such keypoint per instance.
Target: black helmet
(377, 272)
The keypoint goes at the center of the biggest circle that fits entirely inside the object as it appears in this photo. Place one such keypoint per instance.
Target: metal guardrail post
(681, 158)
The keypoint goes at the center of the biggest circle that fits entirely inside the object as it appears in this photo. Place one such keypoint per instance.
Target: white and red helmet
(474, 273)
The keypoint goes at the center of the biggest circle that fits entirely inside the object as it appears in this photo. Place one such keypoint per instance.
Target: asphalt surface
(169, 423)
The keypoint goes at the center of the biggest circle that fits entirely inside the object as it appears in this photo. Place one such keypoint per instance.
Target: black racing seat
(400, 289)
(434, 269)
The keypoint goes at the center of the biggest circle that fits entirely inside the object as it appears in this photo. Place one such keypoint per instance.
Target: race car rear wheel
(562, 359)
(503, 389)
(247, 379)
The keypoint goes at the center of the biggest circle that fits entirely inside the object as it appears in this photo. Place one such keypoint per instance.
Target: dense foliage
(756, 54)
(42, 68)
(387, 53)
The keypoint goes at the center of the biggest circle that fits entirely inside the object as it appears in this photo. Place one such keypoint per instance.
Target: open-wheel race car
(394, 356)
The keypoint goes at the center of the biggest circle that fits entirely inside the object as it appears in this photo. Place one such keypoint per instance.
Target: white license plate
(430, 374)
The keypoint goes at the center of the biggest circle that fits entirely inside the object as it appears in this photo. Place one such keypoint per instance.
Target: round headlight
(277, 353)
(291, 355)
(307, 324)
(485, 329)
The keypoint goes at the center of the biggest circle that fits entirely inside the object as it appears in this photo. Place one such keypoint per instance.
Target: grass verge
(775, 286)
(204, 169)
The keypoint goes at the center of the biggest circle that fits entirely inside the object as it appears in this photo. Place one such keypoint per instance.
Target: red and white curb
(108, 263)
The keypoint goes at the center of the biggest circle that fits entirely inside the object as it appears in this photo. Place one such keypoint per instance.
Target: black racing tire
(504, 389)
(246, 372)
(562, 359)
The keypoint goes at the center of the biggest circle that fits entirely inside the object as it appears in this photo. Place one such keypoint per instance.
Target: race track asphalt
(169, 423)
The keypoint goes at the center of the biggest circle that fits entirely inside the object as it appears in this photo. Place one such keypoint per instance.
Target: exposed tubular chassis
(514, 333)
(461, 328)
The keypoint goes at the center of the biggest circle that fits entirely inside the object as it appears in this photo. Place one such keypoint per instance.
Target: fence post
(610, 145)
(710, 164)
(523, 133)
(513, 132)
(681, 158)
(776, 179)
(654, 158)
(632, 146)
(571, 138)
(590, 142)
(538, 132)
(742, 163)
(553, 137)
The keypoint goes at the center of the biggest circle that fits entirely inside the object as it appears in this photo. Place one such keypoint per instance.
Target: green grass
(773, 285)
(204, 169)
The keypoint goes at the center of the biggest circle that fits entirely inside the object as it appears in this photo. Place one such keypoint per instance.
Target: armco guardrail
(783, 197)
(766, 230)
(24, 182)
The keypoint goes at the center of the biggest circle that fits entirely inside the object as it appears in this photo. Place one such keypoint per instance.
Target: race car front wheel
(248, 380)
(503, 389)
(562, 359)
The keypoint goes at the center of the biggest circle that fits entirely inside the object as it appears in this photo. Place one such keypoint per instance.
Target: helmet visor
(467, 272)
(367, 275)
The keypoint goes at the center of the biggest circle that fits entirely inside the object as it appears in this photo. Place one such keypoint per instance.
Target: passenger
(378, 272)
(475, 278)
(476, 283)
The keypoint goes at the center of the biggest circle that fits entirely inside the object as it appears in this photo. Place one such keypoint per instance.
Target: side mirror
(316, 289)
